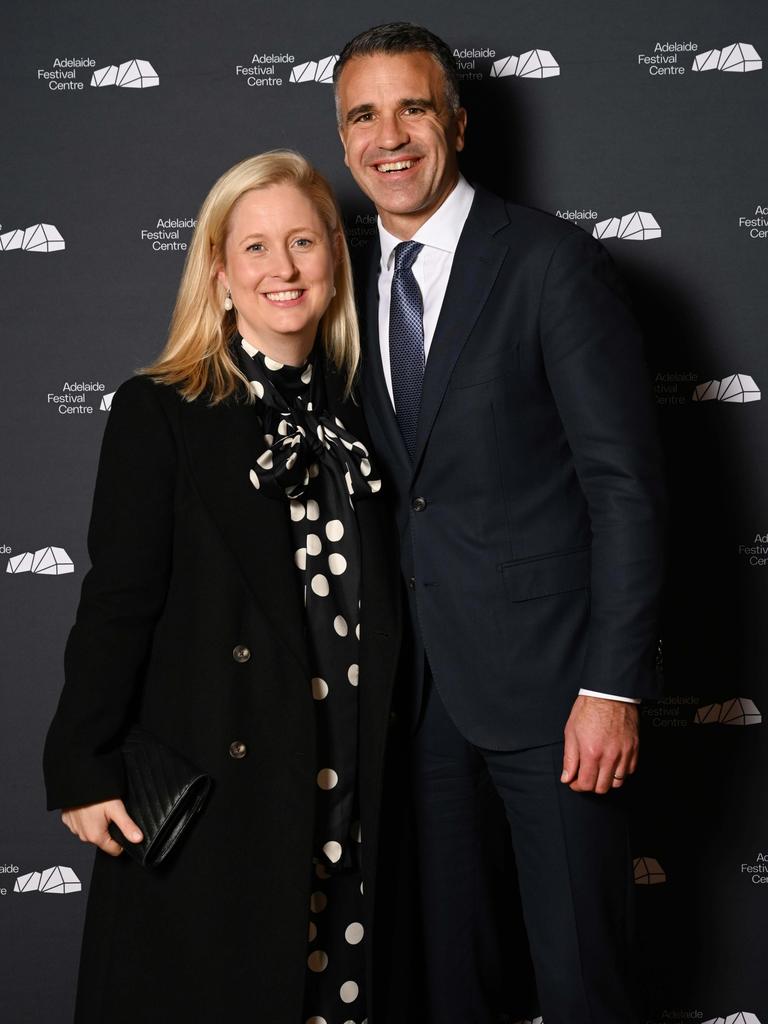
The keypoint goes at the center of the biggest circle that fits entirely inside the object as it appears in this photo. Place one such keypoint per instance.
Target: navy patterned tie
(406, 342)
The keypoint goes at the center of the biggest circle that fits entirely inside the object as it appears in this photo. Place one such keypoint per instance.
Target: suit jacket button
(241, 654)
(419, 504)
(237, 749)
(412, 583)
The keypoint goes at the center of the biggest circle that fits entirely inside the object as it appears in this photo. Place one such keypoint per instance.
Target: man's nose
(391, 133)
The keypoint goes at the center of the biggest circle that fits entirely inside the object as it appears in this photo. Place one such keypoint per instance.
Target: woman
(242, 607)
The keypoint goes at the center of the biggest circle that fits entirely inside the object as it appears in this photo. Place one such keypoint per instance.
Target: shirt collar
(443, 228)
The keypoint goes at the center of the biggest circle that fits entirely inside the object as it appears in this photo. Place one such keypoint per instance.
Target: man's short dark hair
(402, 37)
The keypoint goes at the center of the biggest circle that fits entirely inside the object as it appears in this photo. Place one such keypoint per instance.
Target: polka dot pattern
(327, 778)
(349, 992)
(317, 960)
(310, 458)
(334, 530)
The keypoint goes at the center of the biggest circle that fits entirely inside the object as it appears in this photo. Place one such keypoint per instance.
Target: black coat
(191, 563)
(531, 518)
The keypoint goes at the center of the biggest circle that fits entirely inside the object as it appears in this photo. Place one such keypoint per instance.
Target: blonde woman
(241, 607)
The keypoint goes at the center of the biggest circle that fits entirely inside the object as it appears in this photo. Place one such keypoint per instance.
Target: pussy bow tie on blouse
(300, 433)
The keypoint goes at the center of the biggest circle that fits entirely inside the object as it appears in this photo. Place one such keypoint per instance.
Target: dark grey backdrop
(604, 138)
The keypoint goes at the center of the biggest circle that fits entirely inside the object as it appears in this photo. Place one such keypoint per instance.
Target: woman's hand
(89, 823)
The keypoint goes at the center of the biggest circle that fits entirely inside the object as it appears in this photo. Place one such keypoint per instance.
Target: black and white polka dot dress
(311, 462)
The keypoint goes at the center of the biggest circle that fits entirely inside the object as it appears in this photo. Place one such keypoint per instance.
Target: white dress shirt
(439, 236)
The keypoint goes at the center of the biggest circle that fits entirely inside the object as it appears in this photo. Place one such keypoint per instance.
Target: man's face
(400, 138)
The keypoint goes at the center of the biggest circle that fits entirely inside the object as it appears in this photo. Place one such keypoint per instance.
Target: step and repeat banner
(645, 124)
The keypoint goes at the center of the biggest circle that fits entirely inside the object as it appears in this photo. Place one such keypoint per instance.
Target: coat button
(241, 654)
(237, 749)
(418, 504)
(412, 583)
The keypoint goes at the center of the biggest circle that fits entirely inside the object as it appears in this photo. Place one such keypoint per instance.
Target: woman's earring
(333, 293)
(228, 301)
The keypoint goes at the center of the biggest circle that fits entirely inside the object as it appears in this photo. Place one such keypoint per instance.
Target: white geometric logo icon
(133, 74)
(648, 871)
(43, 562)
(315, 70)
(739, 711)
(35, 238)
(739, 387)
(638, 226)
(742, 1017)
(531, 64)
(736, 57)
(106, 402)
(52, 880)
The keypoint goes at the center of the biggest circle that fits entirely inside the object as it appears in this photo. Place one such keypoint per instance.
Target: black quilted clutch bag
(164, 792)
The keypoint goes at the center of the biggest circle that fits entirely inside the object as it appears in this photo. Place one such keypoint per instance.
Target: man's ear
(340, 130)
(461, 127)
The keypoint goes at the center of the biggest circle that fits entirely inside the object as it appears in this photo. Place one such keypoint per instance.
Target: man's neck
(405, 225)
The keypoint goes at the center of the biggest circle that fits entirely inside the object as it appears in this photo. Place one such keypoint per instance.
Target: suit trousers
(574, 874)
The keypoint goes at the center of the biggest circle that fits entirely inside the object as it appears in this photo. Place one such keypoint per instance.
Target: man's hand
(89, 823)
(601, 744)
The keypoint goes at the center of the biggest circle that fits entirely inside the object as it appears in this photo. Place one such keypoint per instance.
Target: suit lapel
(222, 442)
(476, 265)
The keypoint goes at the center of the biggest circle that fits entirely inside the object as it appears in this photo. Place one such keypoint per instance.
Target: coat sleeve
(129, 543)
(594, 360)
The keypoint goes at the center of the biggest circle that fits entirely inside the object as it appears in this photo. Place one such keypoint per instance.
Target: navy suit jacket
(531, 519)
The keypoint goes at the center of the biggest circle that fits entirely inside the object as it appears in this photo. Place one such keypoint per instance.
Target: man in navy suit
(510, 408)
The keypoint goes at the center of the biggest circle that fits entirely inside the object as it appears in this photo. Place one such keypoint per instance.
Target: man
(508, 401)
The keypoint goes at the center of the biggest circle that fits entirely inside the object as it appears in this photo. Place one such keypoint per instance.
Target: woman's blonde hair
(197, 357)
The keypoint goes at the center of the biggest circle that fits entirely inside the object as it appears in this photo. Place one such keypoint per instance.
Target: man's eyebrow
(361, 108)
(418, 102)
(367, 108)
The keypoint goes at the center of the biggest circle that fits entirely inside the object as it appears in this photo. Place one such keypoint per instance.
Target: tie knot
(406, 253)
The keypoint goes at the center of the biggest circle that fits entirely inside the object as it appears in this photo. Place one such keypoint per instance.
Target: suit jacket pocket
(542, 575)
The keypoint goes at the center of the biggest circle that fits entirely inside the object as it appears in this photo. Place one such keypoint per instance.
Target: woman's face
(279, 262)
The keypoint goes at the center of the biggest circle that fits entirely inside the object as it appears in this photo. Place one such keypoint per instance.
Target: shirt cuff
(609, 696)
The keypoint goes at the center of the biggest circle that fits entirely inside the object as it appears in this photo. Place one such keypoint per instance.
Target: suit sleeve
(129, 543)
(594, 359)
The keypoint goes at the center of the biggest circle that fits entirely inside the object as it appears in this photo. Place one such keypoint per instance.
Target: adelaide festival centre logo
(315, 70)
(35, 238)
(638, 226)
(48, 561)
(756, 553)
(70, 74)
(734, 57)
(648, 871)
(739, 388)
(738, 711)
(740, 1017)
(132, 74)
(531, 64)
(59, 879)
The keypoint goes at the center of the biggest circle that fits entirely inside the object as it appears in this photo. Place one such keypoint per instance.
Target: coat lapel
(222, 442)
(476, 265)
